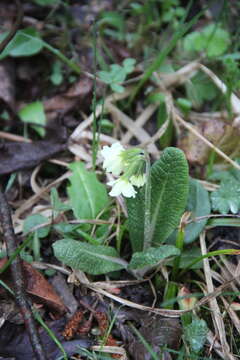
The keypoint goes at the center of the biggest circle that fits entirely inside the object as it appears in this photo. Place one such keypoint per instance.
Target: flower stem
(147, 218)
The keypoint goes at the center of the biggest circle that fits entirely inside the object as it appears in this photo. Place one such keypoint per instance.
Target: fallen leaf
(217, 131)
(36, 286)
(157, 331)
(15, 342)
(15, 156)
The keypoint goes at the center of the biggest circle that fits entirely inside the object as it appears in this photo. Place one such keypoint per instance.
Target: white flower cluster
(129, 163)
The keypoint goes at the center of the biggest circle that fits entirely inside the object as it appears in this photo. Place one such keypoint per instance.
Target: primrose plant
(155, 197)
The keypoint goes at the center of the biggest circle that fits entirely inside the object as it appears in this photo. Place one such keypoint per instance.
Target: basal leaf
(87, 195)
(152, 256)
(169, 183)
(93, 259)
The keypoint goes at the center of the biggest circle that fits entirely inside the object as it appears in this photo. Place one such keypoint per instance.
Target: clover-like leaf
(227, 197)
(212, 39)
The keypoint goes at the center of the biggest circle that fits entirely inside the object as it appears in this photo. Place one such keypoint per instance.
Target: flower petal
(112, 158)
(121, 186)
(138, 180)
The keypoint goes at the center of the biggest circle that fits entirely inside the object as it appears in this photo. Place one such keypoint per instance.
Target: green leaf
(112, 18)
(26, 42)
(188, 256)
(117, 74)
(56, 202)
(34, 220)
(217, 40)
(56, 76)
(227, 197)
(117, 88)
(200, 89)
(152, 256)
(212, 39)
(46, 2)
(169, 183)
(93, 259)
(34, 113)
(199, 205)
(129, 64)
(196, 334)
(87, 195)
(224, 222)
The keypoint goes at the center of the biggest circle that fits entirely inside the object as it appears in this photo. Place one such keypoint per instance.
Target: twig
(15, 27)
(18, 281)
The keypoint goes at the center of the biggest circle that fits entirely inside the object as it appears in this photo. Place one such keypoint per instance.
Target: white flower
(122, 186)
(138, 180)
(112, 158)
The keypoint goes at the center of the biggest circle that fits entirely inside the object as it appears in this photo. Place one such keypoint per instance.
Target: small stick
(18, 281)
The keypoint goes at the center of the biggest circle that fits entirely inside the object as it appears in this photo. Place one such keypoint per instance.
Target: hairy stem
(147, 217)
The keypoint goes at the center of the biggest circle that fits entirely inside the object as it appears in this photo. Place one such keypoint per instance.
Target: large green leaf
(26, 42)
(93, 259)
(169, 191)
(87, 195)
(152, 256)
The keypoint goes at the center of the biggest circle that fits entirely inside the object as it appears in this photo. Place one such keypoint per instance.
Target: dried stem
(18, 280)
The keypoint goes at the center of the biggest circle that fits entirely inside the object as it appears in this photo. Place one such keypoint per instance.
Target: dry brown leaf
(37, 286)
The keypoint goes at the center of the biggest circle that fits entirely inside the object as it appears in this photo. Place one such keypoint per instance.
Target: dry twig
(18, 280)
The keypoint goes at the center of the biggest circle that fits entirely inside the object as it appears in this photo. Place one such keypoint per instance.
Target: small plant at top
(117, 74)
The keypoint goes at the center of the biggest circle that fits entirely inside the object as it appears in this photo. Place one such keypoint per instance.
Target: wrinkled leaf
(152, 256)
(196, 334)
(169, 182)
(34, 113)
(86, 194)
(93, 259)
